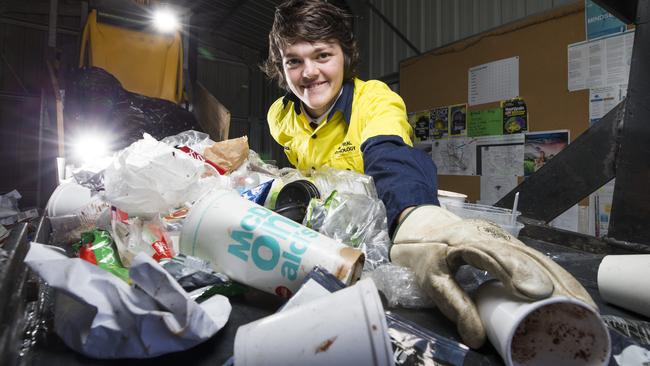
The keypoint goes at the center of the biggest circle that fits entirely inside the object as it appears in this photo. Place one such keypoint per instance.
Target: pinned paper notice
(455, 156)
(600, 63)
(494, 81)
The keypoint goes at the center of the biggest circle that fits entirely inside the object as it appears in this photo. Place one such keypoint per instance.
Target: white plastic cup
(622, 280)
(60, 170)
(449, 198)
(347, 327)
(554, 331)
(257, 247)
(67, 198)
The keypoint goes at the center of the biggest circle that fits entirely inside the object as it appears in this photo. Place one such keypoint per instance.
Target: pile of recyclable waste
(149, 245)
(151, 249)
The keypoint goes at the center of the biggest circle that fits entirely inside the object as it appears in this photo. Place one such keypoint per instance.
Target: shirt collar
(343, 103)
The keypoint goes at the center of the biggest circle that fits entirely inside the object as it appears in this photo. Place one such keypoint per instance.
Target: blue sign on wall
(599, 22)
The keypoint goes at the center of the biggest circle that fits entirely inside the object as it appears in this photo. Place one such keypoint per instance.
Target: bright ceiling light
(165, 20)
(91, 147)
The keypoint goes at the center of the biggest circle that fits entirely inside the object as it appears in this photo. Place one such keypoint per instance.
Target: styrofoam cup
(620, 281)
(447, 197)
(347, 327)
(555, 331)
(67, 198)
(60, 170)
(260, 248)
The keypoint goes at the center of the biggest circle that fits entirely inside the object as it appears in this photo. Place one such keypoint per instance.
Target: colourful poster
(603, 198)
(486, 122)
(419, 121)
(599, 22)
(515, 116)
(540, 147)
(458, 120)
(439, 122)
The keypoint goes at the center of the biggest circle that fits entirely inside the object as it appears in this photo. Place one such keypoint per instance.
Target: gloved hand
(434, 242)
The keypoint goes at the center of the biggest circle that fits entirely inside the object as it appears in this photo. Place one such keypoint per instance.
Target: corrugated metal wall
(239, 84)
(22, 74)
(429, 24)
(237, 81)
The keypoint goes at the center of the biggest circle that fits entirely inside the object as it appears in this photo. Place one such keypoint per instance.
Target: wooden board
(439, 77)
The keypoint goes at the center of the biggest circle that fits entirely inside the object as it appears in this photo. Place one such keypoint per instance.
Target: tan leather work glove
(434, 243)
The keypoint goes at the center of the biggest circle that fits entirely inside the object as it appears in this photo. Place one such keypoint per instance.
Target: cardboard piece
(213, 117)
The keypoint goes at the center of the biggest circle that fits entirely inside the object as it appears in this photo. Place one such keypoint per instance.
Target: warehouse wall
(232, 76)
(429, 24)
(231, 73)
(23, 44)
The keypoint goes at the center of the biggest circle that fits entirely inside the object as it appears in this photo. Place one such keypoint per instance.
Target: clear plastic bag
(288, 175)
(629, 340)
(346, 181)
(353, 219)
(134, 235)
(638, 330)
(67, 229)
(9, 204)
(244, 179)
(193, 273)
(399, 286)
(150, 177)
(414, 345)
(91, 173)
(258, 165)
(89, 179)
(195, 140)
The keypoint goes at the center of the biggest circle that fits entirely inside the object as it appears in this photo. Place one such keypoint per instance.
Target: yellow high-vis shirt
(144, 63)
(364, 109)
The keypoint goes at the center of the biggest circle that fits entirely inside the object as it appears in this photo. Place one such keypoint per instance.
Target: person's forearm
(404, 177)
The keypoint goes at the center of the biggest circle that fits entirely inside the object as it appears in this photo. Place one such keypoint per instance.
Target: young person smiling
(329, 117)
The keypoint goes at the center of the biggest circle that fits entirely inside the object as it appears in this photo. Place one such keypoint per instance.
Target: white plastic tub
(498, 215)
(450, 198)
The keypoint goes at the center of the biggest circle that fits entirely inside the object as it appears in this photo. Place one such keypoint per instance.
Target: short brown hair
(311, 21)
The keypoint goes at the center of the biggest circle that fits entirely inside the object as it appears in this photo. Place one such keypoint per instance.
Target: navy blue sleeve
(404, 176)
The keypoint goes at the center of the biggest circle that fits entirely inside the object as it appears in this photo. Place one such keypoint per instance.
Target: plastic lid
(294, 211)
(297, 192)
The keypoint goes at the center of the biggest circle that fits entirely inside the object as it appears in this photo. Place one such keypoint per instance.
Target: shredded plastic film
(638, 330)
(399, 286)
(414, 345)
(345, 181)
(353, 219)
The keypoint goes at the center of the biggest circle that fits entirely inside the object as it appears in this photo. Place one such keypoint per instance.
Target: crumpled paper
(228, 154)
(101, 316)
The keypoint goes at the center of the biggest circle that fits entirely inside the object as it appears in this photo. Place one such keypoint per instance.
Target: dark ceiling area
(245, 22)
